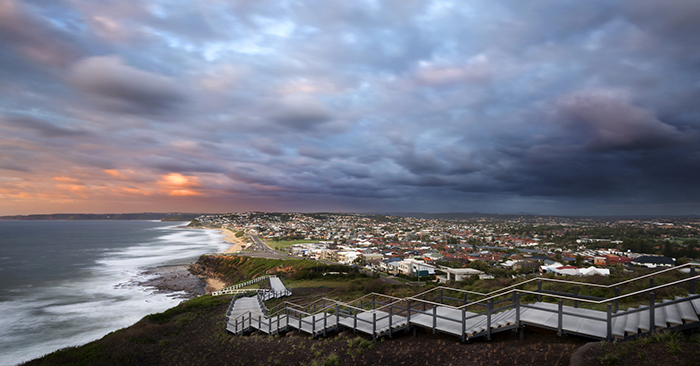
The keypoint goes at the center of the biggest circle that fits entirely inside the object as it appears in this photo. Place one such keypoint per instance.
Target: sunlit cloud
(493, 106)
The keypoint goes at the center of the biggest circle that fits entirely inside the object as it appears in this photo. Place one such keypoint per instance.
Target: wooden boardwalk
(382, 315)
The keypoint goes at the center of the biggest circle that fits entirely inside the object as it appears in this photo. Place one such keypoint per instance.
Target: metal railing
(489, 308)
(234, 289)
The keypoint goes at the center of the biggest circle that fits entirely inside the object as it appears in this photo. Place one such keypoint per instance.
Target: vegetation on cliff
(233, 269)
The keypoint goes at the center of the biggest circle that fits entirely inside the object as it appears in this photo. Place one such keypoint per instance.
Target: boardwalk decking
(381, 315)
(248, 314)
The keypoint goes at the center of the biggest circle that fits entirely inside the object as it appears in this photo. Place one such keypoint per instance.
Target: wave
(106, 298)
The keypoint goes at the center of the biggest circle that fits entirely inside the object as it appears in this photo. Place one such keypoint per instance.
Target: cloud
(32, 38)
(43, 128)
(608, 121)
(116, 86)
(545, 106)
(476, 70)
(675, 21)
(301, 112)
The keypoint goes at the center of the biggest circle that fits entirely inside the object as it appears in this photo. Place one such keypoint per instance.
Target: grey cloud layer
(549, 106)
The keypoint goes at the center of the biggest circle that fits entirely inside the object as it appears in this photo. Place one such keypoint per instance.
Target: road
(261, 250)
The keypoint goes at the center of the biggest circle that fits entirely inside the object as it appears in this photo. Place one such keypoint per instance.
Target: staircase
(246, 313)
(381, 315)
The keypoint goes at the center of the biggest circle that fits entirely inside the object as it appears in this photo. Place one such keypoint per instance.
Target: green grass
(316, 283)
(284, 244)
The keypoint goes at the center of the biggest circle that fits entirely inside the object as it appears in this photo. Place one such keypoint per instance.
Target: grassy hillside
(194, 332)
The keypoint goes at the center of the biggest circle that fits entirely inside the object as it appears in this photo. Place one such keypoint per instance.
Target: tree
(479, 264)
(557, 257)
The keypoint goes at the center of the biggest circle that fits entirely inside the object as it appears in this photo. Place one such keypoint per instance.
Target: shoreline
(237, 244)
(171, 279)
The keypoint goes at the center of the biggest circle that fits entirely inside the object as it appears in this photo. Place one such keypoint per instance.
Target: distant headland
(169, 216)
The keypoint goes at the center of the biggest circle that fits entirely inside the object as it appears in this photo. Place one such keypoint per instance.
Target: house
(652, 261)
(559, 269)
(415, 268)
(600, 261)
(458, 274)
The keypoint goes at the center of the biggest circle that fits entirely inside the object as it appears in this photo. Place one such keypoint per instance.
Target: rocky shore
(176, 280)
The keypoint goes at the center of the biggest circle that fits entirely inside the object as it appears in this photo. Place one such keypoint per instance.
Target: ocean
(66, 283)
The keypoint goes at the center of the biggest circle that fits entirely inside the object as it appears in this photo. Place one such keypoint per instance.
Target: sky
(558, 107)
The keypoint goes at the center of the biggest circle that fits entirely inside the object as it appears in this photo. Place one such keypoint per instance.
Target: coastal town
(456, 247)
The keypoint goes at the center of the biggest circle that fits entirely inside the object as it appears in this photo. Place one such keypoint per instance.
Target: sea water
(66, 283)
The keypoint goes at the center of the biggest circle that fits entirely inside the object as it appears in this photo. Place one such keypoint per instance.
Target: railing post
(391, 313)
(441, 300)
(608, 333)
(434, 319)
(652, 315)
(464, 302)
(373, 303)
(517, 309)
(539, 289)
(560, 317)
(423, 302)
(576, 296)
(325, 322)
(617, 301)
(464, 324)
(374, 325)
(692, 282)
(408, 310)
(354, 325)
(361, 308)
(651, 282)
(489, 309)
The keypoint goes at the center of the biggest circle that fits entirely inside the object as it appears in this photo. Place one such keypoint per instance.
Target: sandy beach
(236, 242)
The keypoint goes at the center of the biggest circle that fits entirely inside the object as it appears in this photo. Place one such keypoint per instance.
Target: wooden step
(696, 305)
(660, 317)
(687, 311)
(632, 324)
(673, 316)
(618, 326)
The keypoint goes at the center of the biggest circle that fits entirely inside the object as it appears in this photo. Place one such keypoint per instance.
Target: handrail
(266, 320)
(544, 279)
(495, 294)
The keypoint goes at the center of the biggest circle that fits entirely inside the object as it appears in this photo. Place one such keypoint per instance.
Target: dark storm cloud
(43, 128)
(301, 112)
(675, 22)
(116, 86)
(541, 106)
(608, 123)
(32, 38)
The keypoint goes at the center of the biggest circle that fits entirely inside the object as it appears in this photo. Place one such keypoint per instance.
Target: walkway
(381, 315)
(249, 312)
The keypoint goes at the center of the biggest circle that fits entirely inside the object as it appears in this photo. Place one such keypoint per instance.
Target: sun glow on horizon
(176, 184)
